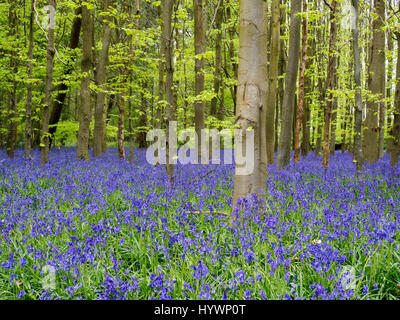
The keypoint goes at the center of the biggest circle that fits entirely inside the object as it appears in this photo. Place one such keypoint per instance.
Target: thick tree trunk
(47, 99)
(84, 112)
(290, 87)
(101, 82)
(300, 110)
(376, 84)
(272, 96)
(251, 96)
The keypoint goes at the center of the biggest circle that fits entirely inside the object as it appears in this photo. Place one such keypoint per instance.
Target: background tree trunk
(200, 48)
(101, 82)
(330, 83)
(84, 112)
(62, 88)
(376, 84)
(272, 96)
(300, 111)
(358, 151)
(28, 121)
(290, 87)
(47, 99)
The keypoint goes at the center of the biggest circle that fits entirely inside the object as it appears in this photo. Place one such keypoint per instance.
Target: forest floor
(109, 229)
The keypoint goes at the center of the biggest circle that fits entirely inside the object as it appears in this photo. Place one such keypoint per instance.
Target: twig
(44, 32)
(330, 7)
(208, 212)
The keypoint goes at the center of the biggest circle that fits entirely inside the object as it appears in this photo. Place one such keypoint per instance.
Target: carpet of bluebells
(110, 229)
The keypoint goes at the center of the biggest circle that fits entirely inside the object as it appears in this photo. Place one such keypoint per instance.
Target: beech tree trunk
(85, 112)
(358, 150)
(376, 84)
(11, 143)
(272, 96)
(394, 141)
(251, 95)
(290, 87)
(168, 8)
(62, 88)
(300, 110)
(28, 121)
(101, 82)
(47, 99)
(217, 102)
(330, 83)
(200, 48)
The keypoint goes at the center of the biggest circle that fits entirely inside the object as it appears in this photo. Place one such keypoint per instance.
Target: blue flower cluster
(109, 229)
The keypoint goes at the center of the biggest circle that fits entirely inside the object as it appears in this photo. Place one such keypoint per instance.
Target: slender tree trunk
(290, 87)
(200, 46)
(251, 96)
(28, 125)
(232, 56)
(282, 69)
(47, 99)
(330, 83)
(141, 137)
(358, 151)
(376, 84)
(85, 112)
(101, 82)
(62, 88)
(272, 96)
(332, 140)
(11, 143)
(143, 116)
(216, 102)
(121, 126)
(168, 8)
(300, 111)
(308, 88)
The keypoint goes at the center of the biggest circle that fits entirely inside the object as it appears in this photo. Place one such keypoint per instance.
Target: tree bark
(290, 87)
(272, 96)
(216, 102)
(168, 8)
(101, 82)
(200, 48)
(62, 88)
(300, 110)
(330, 83)
(358, 151)
(11, 143)
(28, 121)
(47, 99)
(376, 84)
(394, 141)
(85, 112)
(251, 96)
